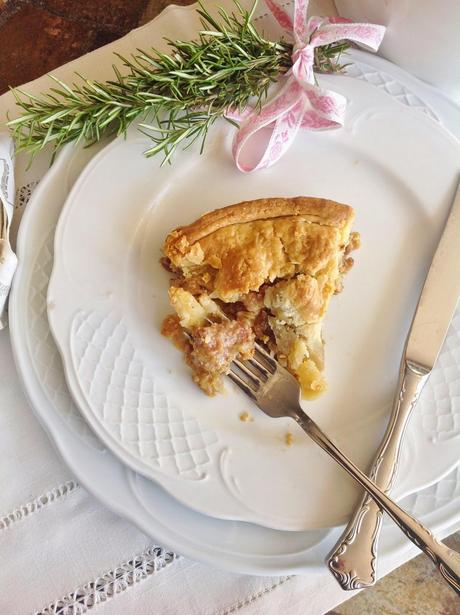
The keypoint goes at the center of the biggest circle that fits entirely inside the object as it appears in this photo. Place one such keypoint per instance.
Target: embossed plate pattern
(107, 298)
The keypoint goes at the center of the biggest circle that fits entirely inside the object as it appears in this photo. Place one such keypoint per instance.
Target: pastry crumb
(246, 417)
(289, 439)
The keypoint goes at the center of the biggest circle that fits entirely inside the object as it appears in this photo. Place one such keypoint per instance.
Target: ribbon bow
(300, 103)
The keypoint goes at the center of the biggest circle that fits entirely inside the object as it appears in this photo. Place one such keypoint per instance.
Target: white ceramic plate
(108, 295)
(236, 546)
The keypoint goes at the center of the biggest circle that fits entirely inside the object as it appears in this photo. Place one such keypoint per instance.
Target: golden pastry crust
(243, 246)
(316, 210)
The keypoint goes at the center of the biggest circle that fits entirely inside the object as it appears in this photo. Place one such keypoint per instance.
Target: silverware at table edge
(8, 263)
(276, 392)
(353, 559)
(8, 259)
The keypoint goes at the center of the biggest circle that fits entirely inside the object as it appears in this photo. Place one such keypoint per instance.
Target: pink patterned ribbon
(300, 103)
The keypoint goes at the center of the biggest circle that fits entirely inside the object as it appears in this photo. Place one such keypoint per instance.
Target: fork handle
(353, 559)
(446, 560)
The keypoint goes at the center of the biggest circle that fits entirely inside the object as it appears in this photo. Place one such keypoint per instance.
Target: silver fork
(277, 393)
(8, 263)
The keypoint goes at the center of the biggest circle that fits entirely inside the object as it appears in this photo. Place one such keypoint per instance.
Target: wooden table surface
(39, 35)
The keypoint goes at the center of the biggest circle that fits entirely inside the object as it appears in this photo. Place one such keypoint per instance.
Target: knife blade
(439, 297)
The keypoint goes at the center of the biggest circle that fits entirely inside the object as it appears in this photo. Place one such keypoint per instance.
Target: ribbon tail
(365, 34)
(300, 21)
(327, 107)
(311, 120)
(264, 137)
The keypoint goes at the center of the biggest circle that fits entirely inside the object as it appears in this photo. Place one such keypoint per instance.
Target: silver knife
(353, 559)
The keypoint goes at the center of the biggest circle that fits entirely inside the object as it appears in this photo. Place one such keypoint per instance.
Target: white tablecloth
(63, 552)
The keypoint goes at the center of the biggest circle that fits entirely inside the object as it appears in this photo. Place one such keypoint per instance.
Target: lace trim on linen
(111, 583)
(38, 503)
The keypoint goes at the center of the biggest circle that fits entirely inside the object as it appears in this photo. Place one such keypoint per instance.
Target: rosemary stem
(179, 95)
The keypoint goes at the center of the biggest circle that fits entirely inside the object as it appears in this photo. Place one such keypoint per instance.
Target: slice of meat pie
(263, 271)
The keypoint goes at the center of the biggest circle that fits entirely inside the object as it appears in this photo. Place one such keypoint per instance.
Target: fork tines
(250, 374)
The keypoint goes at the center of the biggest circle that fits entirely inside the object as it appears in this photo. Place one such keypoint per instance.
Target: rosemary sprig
(179, 95)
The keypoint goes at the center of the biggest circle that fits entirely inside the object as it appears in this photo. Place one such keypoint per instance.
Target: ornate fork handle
(353, 560)
(446, 560)
(8, 262)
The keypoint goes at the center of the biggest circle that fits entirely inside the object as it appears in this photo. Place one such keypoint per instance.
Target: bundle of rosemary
(178, 96)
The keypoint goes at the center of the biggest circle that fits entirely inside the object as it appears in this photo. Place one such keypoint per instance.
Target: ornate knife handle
(353, 559)
(446, 560)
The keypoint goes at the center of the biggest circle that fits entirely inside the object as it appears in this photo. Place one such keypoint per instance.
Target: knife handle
(353, 560)
(446, 560)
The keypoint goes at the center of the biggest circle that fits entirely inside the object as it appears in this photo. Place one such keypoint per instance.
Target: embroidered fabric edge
(25, 510)
(111, 583)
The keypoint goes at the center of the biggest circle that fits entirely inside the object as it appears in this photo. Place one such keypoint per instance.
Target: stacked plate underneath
(115, 396)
